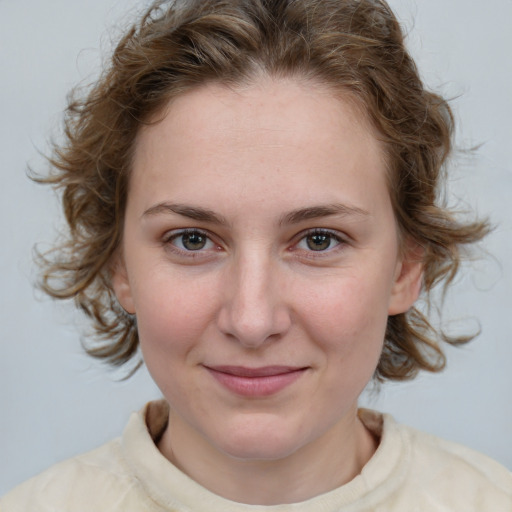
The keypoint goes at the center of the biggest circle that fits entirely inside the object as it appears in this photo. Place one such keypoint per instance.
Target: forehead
(269, 104)
(299, 135)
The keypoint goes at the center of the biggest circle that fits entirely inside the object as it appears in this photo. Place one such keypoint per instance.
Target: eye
(190, 240)
(319, 240)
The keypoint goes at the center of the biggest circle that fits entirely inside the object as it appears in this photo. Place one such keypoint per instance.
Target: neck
(321, 466)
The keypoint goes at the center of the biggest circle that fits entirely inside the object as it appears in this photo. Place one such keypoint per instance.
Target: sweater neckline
(166, 485)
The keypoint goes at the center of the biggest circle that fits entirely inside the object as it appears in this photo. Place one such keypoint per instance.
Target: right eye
(319, 241)
(189, 240)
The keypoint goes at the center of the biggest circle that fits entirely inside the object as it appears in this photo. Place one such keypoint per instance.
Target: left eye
(319, 241)
(191, 241)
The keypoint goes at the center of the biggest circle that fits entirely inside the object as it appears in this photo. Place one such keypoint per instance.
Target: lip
(256, 382)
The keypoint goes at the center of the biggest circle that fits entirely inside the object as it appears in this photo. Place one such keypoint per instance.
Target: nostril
(254, 328)
(254, 309)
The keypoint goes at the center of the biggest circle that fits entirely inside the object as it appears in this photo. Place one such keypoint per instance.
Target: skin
(291, 257)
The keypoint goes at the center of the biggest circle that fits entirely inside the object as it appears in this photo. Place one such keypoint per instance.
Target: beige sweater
(410, 472)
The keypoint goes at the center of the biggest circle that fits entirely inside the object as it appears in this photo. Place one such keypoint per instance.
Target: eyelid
(341, 239)
(322, 231)
(173, 234)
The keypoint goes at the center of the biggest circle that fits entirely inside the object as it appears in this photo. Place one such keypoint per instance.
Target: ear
(408, 278)
(121, 284)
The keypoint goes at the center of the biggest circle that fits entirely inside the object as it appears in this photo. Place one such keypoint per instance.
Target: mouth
(255, 382)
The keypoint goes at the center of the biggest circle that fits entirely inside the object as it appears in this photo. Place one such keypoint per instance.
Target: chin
(256, 439)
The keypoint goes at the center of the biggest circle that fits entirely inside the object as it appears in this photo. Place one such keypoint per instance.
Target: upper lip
(262, 371)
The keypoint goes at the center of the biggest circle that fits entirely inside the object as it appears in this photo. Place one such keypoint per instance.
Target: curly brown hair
(354, 46)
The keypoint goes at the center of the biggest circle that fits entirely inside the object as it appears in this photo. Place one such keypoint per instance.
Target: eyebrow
(191, 212)
(293, 217)
(315, 212)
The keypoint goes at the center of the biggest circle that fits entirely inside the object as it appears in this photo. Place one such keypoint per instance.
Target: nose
(254, 310)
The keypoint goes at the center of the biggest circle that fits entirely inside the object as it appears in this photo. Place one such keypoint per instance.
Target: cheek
(348, 319)
(349, 306)
(172, 314)
(171, 325)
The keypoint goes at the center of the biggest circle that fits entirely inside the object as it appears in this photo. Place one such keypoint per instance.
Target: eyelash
(302, 237)
(170, 237)
(333, 236)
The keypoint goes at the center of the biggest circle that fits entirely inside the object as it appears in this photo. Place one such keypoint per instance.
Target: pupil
(319, 242)
(194, 241)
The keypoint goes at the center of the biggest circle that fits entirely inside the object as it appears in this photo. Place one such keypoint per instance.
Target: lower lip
(256, 386)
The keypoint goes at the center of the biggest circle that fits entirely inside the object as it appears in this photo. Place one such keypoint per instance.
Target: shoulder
(105, 479)
(95, 481)
(444, 475)
(470, 462)
(76, 484)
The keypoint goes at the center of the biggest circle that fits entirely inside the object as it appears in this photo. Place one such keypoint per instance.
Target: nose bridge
(254, 309)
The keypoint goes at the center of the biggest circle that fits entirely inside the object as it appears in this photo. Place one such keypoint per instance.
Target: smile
(255, 382)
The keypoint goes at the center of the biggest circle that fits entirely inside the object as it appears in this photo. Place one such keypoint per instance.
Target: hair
(353, 46)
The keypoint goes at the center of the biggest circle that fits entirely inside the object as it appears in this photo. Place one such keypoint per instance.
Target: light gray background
(55, 402)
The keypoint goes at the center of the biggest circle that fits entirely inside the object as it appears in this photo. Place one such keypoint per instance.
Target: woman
(251, 190)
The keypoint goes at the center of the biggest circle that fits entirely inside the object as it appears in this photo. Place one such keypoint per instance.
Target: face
(261, 258)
